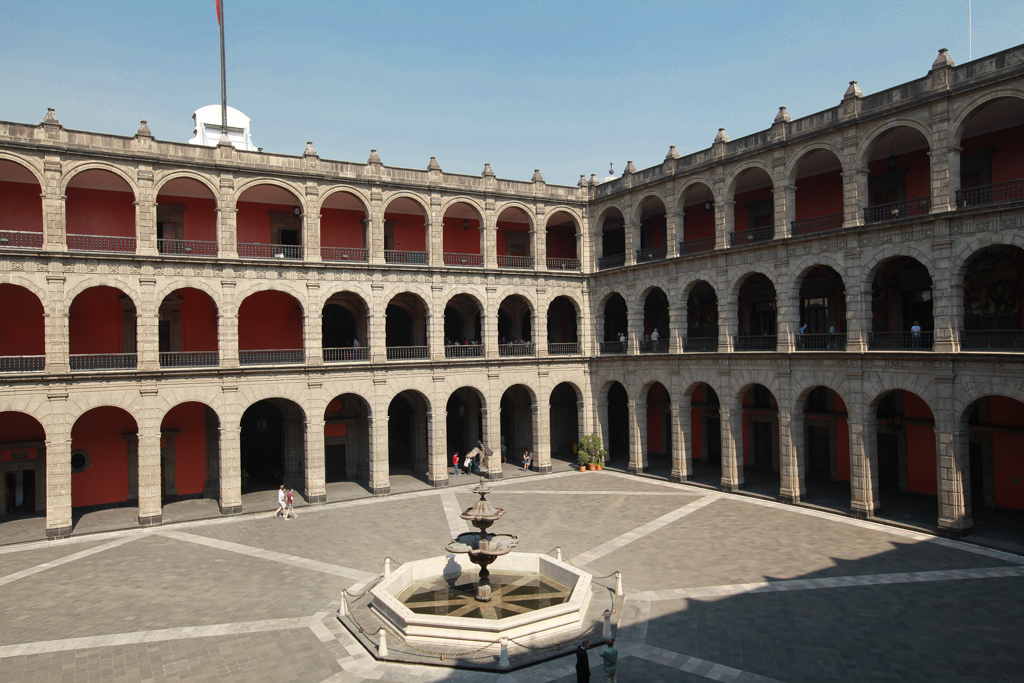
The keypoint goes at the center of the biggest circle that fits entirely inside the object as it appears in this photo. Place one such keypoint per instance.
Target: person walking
(611, 661)
(527, 457)
(476, 461)
(465, 464)
(280, 502)
(289, 512)
(583, 662)
(455, 464)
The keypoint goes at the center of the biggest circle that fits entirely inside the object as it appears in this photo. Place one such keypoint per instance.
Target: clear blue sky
(561, 86)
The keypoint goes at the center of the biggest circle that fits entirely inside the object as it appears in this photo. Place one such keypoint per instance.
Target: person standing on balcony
(915, 333)
(654, 335)
(800, 339)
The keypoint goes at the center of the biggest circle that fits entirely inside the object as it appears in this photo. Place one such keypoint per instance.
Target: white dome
(208, 128)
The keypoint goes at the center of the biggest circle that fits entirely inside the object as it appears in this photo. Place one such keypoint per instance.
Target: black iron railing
(613, 261)
(990, 194)
(992, 340)
(281, 251)
(755, 342)
(745, 237)
(687, 247)
(510, 350)
(563, 348)
(123, 245)
(515, 261)
(19, 239)
(700, 345)
(408, 352)
(901, 341)
(654, 346)
(272, 357)
(464, 351)
(896, 210)
(810, 226)
(344, 254)
(186, 247)
(563, 264)
(103, 361)
(415, 258)
(651, 254)
(22, 363)
(828, 341)
(346, 353)
(476, 260)
(613, 347)
(189, 359)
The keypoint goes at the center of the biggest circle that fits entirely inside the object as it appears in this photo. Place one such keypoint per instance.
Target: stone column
(312, 324)
(634, 325)
(947, 297)
(728, 312)
(858, 313)
(58, 466)
(489, 237)
(57, 323)
(149, 484)
(855, 196)
(954, 466)
(492, 433)
(227, 210)
(725, 221)
(542, 437)
(231, 462)
(489, 322)
(435, 242)
(147, 320)
(791, 474)
(380, 483)
(632, 242)
(682, 444)
(731, 420)
(672, 239)
(227, 326)
(437, 424)
(637, 458)
(540, 326)
(863, 459)
(145, 213)
(376, 325)
(374, 226)
(945, 173)
(540, 241)
(311, 223)
(787, 310)
(315, 477)
(435, 334)
(785, 210)
(54, 225)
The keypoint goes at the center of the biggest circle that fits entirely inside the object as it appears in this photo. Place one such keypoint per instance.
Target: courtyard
(717, 587)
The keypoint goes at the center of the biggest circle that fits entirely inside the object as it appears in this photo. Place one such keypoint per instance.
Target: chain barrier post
(343, 607)
(606, 631)
(387, 567)
(618, 583)
(382, 649)
(558, 553)
(503, 660)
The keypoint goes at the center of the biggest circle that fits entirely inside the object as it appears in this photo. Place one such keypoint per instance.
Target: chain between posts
(569, 562)
(380, 575)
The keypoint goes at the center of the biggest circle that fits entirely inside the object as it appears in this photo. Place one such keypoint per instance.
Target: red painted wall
(22, 325)
(16, 427)
(100, 212)
(842, 441)
(98, 433)
(96, 321)
(918, 172)
(922, 469)
(698, 223)
(654, 420)
(269, 321)
(658, 230)
(741, 214)
(410, 231)
(1007, 155)
(459, 241)
(561, 241)
(337, 429)
(254, 221)
(506, 226)
(342, 228)
(21, 207)
(198, 321)
(189, 419)
(200, 216)
(819, 195)
(1007, 452)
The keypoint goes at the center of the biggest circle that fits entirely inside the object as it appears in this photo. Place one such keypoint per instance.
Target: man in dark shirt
(583, 663)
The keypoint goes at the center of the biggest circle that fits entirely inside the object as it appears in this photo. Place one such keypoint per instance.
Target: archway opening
(753, 208)
(905, 452)
(269, 223)
(189, 453)
(653, 231)
(187, 333)
(658, 421)
(100, 213)
(562, 242)
(465, 424)
(826, 449)
(705, 436)
(760, 455)
(104, 460)
(343, 328)
(346, 442)
(564, 413)
(993, 290)
(22, 465)
(992, 154)
(101, 330)
(462, 327)
(461, 236)
(701, 319)
(405, 232)
(186, 218)
(656, 323)
(901, 306)
(270, 329)
(515, 327)
(22, 330)
(21, 205)
(405, 328)
(698, 220)
(899, 176)
(996, 451)
(563, 327)
(517, 424)
(822, 311)
(757, 330)
(819, 194)
(514, 239)
(408, 434)
(616, 324)
(343, 228)
(617, 441)
(613, 240)
(272, 448)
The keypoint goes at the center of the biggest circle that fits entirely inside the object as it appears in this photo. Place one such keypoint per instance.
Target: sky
(566, 87)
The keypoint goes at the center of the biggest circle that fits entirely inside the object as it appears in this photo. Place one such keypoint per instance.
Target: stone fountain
(482, 547)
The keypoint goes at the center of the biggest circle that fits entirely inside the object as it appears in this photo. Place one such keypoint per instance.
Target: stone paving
(718, 587)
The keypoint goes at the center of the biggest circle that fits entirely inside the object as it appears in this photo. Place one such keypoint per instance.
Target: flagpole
(223, 76)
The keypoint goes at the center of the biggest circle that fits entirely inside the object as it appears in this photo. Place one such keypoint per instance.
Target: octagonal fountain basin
(535, 598)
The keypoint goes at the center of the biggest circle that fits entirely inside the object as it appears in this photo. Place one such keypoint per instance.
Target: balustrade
(189, 359)
(122, 245)
(754, 342)
(103, 361)
(186, 247)
(346, 353)
(408, 353)
(344, 254)
(272, 357)
(896, 210)
(18, 239)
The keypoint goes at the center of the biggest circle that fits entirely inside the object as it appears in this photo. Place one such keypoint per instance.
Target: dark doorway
(262, 444)
(334, 463)
(618, 426)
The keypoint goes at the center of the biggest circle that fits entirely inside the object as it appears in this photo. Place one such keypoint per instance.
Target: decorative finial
(433, 165)
(943, 59)
(593, 180)
(537, 177)
(630, 168)
(374, 159)
(310, 151)
(487, 172)
(722, 136)
(673, 153)
(583, 181)
(783, 116)
(51, 116)
(853, 91)
(144, 131)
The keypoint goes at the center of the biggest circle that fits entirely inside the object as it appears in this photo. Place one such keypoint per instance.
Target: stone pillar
(791, 459)
(227, 210)
(58, 466)
(437, 425)
(54, 226)
(863, 459)
(787, 309)
(145, 213)
(725, 221)
(227, 326)
(634, 325)
(376, 324)
(637, 458)
(212, 489)
(785, 210)
(147, 321)
(315, 477)
(380, 483)
(57, 323)
(167, 461)
(149, 484)
(312, 325)
(489, 322)
(492, 433)
(952, 447)
(539, 239)
(231, 463)
(374, 227)
(947, 297)
(540, 325)
(672, 233)
(435, 334)
(728, 311)
(435, 241)
(731, 420)
(311, 223)
(853, 179)
(945, 172)
(682, 444)
(858, 313)
(489, 237)
(632, 241)
(542, 436)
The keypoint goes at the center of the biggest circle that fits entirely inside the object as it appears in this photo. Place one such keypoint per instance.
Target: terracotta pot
(591, 466)
(582, 468)
(600, 467)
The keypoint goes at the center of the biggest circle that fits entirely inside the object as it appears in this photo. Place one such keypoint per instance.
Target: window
(79, 461)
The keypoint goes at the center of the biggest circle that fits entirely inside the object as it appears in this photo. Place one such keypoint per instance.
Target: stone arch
(639, 202)
(968, 249)
(25, 283)
(279, 286)
(751, 270)
(80, 403)
(796, 156)
(412, 196)
(101, 281)
(199, 284)
(30, 164)
(573, 213)
(476, 205)
(1004, 387)
(74, 169)
(297, 191)
(692, 182)
(874, 132)
(329, 289)
(971, 104)
(165, 177)
(357, 193)
(733, 176)
(885, 254)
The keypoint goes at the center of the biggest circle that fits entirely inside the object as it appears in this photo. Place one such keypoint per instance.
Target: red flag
(219, 19)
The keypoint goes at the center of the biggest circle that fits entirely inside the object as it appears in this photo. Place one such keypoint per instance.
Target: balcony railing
(475, 260)
(828, 341)
(990, 194)
(696, 246)
(612, 347)
(464, 351)
(415, 258)
(745, 237)
(651, 254)
(700, 345)
(515, 261)
(897, 210)
(510, 350)
(123, 245)
(613, 261)
(346, 353)
(654, 346)
(344, 254)
(18, 239)
(563, 348)
(901, 341)
(408, 353)
(186, 247)
(22, 363)
(811, 226)
(755, 342)
(563, 264)
(992, 340)
(103, 361)
(189, 359)
(272, 357)
(282, 251)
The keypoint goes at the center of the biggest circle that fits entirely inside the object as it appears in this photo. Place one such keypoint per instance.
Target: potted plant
(591, 452)
(582, 459)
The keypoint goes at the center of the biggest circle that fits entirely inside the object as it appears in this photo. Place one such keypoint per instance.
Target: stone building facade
(788, 302)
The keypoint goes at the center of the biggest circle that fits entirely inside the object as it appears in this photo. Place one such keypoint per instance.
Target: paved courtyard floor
(718, 587)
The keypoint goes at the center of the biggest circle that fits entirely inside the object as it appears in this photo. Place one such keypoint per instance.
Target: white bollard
(606, 632)
(343, 607)
(558, 553)
(503, 660)
(618, 583)
(387, 567)
(382, 649)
